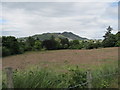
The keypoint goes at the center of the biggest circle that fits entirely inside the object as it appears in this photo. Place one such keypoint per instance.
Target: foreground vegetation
(37, 77)
(11, 45)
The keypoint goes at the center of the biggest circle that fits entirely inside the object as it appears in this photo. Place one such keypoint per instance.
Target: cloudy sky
(86, 19)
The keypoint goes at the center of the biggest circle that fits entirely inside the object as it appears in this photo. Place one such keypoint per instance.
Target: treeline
(11, 45)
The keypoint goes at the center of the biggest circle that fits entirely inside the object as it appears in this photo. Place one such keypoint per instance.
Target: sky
(86, 19)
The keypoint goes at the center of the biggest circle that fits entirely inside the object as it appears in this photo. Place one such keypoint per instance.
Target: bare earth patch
(74, 57)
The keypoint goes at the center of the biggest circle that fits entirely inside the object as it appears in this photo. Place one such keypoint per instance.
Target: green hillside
(46, 36)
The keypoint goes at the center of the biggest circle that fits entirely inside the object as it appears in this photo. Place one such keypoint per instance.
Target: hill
(47, 36)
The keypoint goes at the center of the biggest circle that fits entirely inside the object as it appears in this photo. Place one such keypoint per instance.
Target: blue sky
(86, 19)
(3, 21)
(114, 4)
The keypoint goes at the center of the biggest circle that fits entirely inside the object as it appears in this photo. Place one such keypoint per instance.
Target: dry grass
(61, 58)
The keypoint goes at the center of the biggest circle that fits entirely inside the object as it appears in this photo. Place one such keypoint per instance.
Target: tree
(22, 46)
(10, 45)
(89, 44)
(50, 44)
(109, 38)
(108, 32)
(75, 44)
(97, 44)
(64, 42)
(30, 43)
(37, 45)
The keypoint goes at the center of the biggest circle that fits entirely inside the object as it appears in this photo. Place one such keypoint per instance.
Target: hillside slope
(46, 36)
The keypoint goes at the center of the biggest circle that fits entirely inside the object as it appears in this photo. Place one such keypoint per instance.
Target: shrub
(90, 46)
(77, 77)
(75, 44)
(5, 51)
(38, 45)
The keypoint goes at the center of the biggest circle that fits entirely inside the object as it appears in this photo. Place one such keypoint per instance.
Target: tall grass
(45, 78)
(106, 76)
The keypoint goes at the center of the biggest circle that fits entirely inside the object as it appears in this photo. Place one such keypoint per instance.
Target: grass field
(63, 68)
(59, 59)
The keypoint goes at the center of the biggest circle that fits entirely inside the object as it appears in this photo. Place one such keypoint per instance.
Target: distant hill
(47, 36)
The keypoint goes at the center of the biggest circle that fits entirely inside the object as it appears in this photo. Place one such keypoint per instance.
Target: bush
(38, 45)
(5, 51)
(77, 77)
(75, 44)
(90, 46)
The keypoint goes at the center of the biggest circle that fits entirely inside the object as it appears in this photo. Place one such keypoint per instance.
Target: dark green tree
(64, 42)
(89, 44)
(50, 44)
(10, 45)
(97, 44)
(108, 32)
(30, 43)
(109, 38)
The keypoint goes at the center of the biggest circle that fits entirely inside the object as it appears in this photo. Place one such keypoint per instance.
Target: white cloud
(85, 19)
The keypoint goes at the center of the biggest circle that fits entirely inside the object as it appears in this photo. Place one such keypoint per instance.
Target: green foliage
(108, 32)
(50, 44)
(46, 78)
(64, 43)
(117, 44)
(91, 44)
(37, 78)
(118, 39)
(38, 45)
(110, 41)
(98, 44)
(77, 77)
(30, 43)
(22, 46)
(5, 51)
(103, 77)
(75, 44)
(109, 38)
(10, 46)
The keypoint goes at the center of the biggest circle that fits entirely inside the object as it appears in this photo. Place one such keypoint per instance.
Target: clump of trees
(109, 38)
(11, 45)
